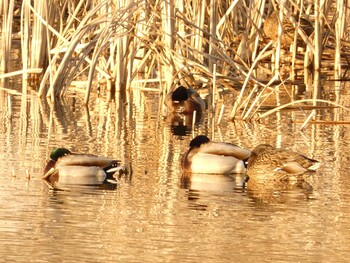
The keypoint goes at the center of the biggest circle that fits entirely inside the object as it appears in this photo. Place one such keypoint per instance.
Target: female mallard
(65, 167)
(205, 156)
(268, 162)
(288, 30)
(184, 101)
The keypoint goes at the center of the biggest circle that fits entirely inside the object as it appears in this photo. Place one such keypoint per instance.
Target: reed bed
(112, 46)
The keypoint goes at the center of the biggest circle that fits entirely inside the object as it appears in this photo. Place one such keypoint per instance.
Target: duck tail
(245, 162)
(114, 167)
(315, 166)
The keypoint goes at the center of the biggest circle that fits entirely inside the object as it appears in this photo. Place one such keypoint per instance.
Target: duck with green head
(184, 100)
(206, 156)
(65, 167)
(269, 163)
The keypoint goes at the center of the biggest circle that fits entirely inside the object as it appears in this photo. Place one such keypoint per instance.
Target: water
(155, 214)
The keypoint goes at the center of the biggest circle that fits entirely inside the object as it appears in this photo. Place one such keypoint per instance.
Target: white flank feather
(216, 164)
(90, 175)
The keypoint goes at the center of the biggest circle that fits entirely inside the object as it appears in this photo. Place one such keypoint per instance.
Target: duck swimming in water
(184, 100)
(65, 167)
(206, 156)
(268, 162)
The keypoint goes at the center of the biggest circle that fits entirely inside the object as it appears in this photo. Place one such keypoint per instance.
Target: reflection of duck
(65, 167)
(205, 156)
(181, 124)
(267, 162)
(185, 101)
(263, 192)
(288, 30)
(212, 182)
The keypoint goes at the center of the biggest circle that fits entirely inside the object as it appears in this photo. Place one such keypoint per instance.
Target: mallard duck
(288, 30)
(268, 162)
(185, 101)
(65, 167)
(205, 156)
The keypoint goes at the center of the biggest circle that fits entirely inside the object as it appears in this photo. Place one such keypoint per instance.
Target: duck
(65, 167)
(184, 100)
(288, 30)
(210, 157)
(267, 162)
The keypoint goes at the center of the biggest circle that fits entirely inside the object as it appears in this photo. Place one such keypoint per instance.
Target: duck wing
(294, 163)
(195, 97)
(226, 149)
(86, 160)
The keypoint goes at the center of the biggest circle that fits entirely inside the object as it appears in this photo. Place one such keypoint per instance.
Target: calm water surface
(155, 215)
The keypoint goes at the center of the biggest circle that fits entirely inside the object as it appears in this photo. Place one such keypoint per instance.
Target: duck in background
(65, 167)
(181, 104)
(205, 156)
(268, 163)
(288, 30)
(184, 100)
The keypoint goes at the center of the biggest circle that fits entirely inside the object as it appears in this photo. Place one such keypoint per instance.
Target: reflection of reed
(31, 126)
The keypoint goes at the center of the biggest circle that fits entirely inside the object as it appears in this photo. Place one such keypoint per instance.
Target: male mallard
(288, 30)
(205, 156)
(268, 162)
(65, 167)
(184, 101)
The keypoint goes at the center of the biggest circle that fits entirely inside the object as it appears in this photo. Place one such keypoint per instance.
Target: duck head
(199, 140)
(59, 152)
(180, 94)
(54, 156)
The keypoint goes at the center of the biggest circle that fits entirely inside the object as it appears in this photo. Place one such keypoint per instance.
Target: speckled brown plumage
(278, 162)
(271, 28)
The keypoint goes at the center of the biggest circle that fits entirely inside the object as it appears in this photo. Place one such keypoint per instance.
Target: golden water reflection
(155, 214)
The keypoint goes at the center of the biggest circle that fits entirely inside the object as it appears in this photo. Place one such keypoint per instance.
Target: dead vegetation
(108, 46)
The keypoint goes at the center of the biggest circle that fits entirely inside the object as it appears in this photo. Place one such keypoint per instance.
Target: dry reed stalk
(339, 32)
(6, 32)
(321, 122)
(167, 17)
(21, 72)
(69, 68)
(115, 42)
(62, 44)
(196, 39)
(212, 29)
(256, 101)
(221, 114)
(237, 105)
(25, 36)
(214, 91)
(318, 37)
(264, 115)
(135, 65)
(38, 34)
(307, 120)
(258, 21)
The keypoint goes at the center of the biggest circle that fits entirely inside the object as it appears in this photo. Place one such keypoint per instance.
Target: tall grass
(102, 47)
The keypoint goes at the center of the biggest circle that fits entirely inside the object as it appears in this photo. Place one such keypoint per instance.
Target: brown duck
(268, 162)
(288, 30)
